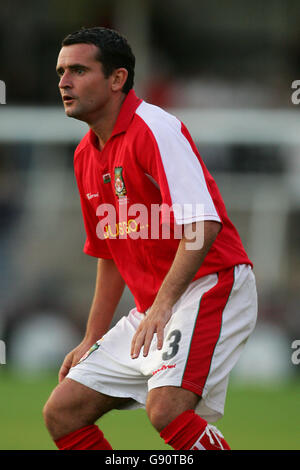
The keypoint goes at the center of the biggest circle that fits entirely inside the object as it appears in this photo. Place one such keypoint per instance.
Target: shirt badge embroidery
(106, 178)
(119, 182)
(89, 352)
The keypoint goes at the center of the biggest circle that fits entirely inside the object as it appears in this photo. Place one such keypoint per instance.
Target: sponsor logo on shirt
(120, 229)
(164, 367)
(138, 221)
(92, 195)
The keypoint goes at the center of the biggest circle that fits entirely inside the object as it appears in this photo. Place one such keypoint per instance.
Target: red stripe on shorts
(206, 333)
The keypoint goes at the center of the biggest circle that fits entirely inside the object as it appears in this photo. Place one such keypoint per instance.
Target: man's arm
(184, 267)
(108, 291)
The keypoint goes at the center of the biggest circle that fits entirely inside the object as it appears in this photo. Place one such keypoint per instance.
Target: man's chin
(72, 113)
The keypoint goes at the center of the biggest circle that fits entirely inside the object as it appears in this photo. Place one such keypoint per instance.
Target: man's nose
(65, 81)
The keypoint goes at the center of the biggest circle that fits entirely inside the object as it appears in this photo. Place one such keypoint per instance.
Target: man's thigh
(205, 336)
(73, 405)
(108, 367)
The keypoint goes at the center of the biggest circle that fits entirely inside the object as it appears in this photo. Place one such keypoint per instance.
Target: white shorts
(203, 340)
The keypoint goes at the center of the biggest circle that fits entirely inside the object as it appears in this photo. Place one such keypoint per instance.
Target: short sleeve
(173, 163)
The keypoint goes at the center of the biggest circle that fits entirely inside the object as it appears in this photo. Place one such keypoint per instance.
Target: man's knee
(71, 406)
(50, 414)
(158, 415)
(164, 404)
(56, 411)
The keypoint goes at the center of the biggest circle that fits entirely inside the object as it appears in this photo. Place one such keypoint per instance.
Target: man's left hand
(154, 322)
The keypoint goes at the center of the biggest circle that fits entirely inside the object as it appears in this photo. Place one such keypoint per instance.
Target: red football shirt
(147, 182)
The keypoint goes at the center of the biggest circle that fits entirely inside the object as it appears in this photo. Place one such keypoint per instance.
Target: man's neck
(104, 125)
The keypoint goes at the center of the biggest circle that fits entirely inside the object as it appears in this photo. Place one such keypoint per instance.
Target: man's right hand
(108, 291)
(73, 358)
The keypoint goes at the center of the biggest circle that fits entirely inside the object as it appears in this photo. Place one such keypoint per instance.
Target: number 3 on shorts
(173, 339)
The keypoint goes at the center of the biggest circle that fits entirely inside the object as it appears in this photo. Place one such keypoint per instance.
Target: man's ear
(119, 77)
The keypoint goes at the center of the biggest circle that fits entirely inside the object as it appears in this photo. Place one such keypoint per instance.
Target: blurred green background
(226, 69)
(256, 418)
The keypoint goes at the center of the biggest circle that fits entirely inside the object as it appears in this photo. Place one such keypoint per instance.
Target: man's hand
(154, 322)
(73, 358)
(108, 291)
(187, 261)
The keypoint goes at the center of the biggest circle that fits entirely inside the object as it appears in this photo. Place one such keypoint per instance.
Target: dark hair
(114, 50)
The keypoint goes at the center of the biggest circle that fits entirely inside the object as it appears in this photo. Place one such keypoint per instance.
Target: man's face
(84, 89)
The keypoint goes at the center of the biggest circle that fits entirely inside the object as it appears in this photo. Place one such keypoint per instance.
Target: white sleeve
(191, 200)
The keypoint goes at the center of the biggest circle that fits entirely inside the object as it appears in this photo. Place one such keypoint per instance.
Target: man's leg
(171, 412)
(70, 414)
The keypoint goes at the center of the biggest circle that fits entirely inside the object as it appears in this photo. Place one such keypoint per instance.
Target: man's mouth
(68, 99)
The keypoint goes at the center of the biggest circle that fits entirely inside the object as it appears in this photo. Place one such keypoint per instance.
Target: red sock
(191, 432)
(87, 438)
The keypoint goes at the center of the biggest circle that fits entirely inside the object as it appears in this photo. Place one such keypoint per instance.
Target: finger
(148, 340)
(137, 338)
(137, 344)
(160, 336)
(62, 373)
(133, 341)
(64, 370)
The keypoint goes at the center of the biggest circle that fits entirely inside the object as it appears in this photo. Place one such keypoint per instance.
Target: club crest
(119, 182)
(89, 352)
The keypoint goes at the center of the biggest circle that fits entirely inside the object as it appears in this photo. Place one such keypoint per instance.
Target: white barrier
(267, 199)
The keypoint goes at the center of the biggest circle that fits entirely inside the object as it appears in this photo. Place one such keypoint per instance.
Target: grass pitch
(256, 418)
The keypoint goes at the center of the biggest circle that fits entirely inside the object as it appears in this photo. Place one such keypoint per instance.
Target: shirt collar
(124, 118)
(126, 113)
